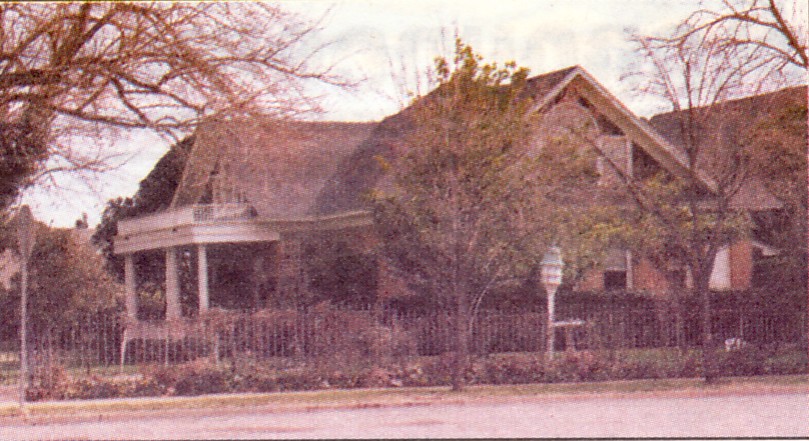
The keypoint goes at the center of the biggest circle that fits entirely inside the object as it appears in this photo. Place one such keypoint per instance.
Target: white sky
(389, 42)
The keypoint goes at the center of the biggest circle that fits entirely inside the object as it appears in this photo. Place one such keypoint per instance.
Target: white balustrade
(185, 216)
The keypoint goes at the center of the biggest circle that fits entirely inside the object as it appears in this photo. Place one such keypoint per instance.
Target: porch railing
(185, 216)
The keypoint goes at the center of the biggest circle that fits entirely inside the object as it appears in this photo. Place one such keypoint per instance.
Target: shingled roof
(291, 168)
(361, 172)
(726, 126)
(279, 167)
(288, 169)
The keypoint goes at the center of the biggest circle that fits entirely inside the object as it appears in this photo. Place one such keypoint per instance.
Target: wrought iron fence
(98, 340)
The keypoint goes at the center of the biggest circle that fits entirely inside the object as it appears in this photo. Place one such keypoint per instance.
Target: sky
(387, 46)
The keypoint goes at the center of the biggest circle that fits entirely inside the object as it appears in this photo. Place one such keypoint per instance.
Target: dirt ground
(784, 414)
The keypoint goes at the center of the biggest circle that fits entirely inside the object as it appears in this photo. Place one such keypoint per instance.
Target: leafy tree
(779, 151)
(154, 194)
(73, 74)
(66, 282)
(339, 272)
(471, 204)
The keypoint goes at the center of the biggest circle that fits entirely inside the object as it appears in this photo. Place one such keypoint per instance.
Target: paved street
(728, 416)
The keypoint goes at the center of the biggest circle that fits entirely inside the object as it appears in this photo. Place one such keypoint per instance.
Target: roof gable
(637, 129)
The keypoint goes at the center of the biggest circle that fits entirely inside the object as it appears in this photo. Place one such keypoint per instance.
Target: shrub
(53, 383)
(746, 361)
(48, 382)
(299, 380)
(194, 378)
(349, 338)
(787, 363)
(95, 387)
(377, 377)
(200, 382)
(412, 374)
(438, 370)
(785, 360)
(511, 369)
(250, 374)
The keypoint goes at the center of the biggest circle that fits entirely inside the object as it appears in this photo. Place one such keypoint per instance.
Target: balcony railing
(223, 212)
(189, 215)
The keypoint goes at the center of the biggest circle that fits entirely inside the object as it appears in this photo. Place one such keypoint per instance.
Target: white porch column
(172, 285)
(720, 273)
(202, 277)
(131, 286)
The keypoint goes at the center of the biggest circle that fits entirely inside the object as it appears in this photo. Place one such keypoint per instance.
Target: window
(617, 150)
(617, 271)
(614, 280)
(643, 165)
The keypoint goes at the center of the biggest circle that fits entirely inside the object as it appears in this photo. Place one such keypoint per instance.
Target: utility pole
(26, 236)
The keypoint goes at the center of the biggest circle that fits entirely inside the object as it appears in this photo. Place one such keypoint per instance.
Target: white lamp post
(551, 265)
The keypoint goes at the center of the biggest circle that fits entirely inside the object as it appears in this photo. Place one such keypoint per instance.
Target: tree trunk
(461, 361)
(708, 355)
(679, 324)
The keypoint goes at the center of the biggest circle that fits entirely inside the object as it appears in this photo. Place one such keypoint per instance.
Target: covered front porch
(273, 249)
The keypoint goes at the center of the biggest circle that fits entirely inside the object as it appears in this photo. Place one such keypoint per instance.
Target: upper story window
(615, 161)
(643, 165)
(617, 273)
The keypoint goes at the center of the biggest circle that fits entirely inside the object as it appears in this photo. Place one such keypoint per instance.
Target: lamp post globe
(552, 265)
(551, 268)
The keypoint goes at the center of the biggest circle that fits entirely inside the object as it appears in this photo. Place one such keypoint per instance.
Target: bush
(248, 374)
(510, 369)
(48, 383)
(790, 363)
(772, 360)
(198, 377)
(345, 337)
(438, 370)
(747, 361)
(53, 383)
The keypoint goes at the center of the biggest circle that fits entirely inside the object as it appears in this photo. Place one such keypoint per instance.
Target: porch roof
(223, 223)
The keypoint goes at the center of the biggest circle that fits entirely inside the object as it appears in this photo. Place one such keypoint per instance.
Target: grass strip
(358, 398)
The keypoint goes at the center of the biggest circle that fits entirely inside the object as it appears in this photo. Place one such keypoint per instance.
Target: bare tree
(711, 58)
(774, 30)
(72, 74)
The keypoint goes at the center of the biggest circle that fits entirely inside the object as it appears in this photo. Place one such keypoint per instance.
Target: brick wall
(741, 265)
(648, 278)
